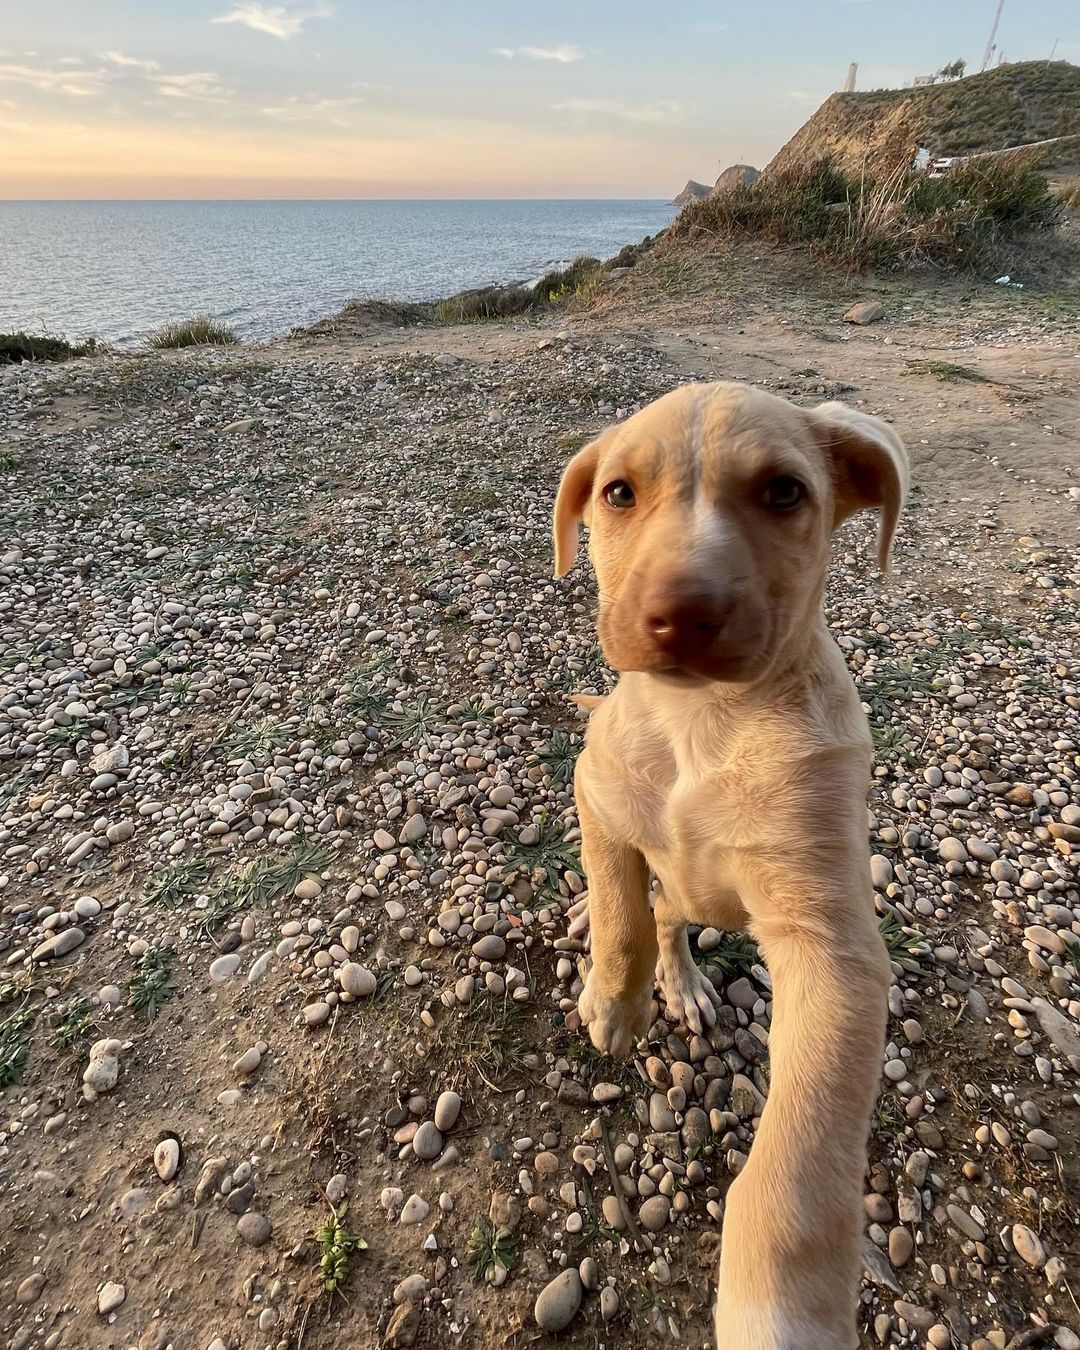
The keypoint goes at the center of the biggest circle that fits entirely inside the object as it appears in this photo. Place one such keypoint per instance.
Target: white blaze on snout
(712, 547)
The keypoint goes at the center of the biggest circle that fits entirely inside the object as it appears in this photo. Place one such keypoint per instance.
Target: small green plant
(10, 461)
(903, 944)
(547, 857)
(261, 736)
(419, 721)
(559, 756)
(274, 876)
(151, 989)
(488, 302)
(490, 1251)
(78, 1022)
(582, 276)
(736, 956)
(892, 743)
(338, 1246)
(196, 332)
(170, 885)
(15, 1032)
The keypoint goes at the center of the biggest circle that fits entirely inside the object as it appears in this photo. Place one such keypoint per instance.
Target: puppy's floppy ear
(572, 504)
(869, 467)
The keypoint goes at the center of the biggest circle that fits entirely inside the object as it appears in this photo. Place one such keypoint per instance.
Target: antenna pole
(993, 35)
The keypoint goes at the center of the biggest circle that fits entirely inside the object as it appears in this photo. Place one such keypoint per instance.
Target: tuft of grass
(486, 302)
(946, 371)
(559, 756)
(548, 858)
(338, 1246)
(10, 461)
(490, 1250)
(151, 989)
(78, 1022)
(488, 1040)
(1068, 193)
(18, 347)
(199, 331)
(892, 742)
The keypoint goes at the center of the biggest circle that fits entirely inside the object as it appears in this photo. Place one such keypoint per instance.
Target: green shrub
(582, 276)
(16, 347)
(197, 332)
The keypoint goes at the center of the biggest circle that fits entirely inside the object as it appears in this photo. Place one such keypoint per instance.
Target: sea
(118, 269)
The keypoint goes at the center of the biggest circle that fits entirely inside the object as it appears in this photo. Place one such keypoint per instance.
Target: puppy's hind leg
(688, 993)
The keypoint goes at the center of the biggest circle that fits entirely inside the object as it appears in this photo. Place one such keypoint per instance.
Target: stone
(254, 1228)
(427, 1142)
(489, 948)
(167, 1159)
(447, 1110)
(357, 980)
(653, 1214)
(865, 312)
(224, 967)
(901, 1247)
(1028, 1245)
(558, 1302)
(110, 1297)
(414, 1210)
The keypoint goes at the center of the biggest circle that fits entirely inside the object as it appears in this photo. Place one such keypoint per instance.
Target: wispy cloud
(132, 62)
(327, 111)
(660, 112)
(54, 79)
(564, 53)
(199, 85)
(280, 21)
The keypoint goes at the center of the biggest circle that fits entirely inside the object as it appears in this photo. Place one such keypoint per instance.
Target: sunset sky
(449, 98)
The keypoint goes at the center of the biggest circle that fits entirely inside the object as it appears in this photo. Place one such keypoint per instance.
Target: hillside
(1012, 105)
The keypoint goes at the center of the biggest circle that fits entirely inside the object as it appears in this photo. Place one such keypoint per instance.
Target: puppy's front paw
(615, 1024)
(689, 994)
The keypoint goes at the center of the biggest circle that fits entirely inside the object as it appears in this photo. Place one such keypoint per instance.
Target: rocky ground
(288, 1049)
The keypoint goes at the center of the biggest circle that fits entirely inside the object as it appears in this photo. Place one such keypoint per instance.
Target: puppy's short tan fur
(731, 763)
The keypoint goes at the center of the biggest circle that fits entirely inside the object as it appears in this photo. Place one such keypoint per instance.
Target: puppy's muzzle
(687, 626)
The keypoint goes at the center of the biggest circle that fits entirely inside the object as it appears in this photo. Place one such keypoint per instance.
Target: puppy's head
(710, 515)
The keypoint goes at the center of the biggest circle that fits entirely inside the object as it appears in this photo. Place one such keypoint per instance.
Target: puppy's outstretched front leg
(616, 1002)
(789, 1264)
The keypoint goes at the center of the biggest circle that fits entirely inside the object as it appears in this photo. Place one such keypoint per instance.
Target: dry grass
(199, 331)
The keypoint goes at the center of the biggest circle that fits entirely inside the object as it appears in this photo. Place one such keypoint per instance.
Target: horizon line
(112, 201)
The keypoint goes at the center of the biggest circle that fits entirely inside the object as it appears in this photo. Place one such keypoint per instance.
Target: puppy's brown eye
(619, 494)
(783, 493)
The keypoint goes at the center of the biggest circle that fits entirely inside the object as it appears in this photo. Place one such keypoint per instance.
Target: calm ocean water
(118, 269)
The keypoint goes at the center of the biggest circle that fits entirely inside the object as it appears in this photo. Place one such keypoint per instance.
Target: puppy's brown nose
(686, 623)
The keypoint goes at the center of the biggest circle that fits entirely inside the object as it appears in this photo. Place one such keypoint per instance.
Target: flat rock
(865, 312)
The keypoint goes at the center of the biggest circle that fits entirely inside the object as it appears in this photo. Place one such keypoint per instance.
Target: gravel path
(287, 843)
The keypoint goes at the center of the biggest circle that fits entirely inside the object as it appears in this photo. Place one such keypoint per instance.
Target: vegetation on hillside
(903, 218)
(497, 302)
(1012, 105)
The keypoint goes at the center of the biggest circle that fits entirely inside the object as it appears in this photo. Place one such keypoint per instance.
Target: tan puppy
(732, 763)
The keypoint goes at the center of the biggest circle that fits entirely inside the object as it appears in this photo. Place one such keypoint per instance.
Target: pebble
(167, 1159)
(447, 1110)
(357, 980)
(414, 1210)
(558, 1302)
(1028, 1245)
(254, 1229)
(110, 1297)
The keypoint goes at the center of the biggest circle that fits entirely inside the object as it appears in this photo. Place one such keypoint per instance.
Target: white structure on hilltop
(849, 83)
